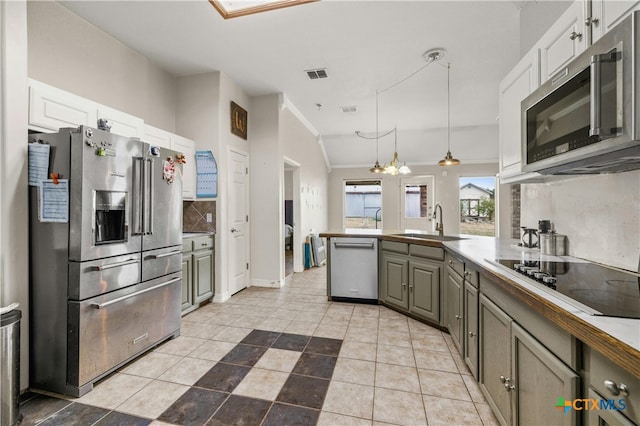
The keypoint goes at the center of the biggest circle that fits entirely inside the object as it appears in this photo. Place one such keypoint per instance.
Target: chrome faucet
(439, 226)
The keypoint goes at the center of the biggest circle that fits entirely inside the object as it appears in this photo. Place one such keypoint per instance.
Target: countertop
(616, 338)
(196, 234)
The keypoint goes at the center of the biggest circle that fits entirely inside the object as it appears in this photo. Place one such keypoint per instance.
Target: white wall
(301, 145)
(202, 114)
(67, 52)
(14, 209)
(599, 214)
(447, 187)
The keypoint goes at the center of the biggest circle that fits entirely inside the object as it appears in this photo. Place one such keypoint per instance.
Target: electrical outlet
(209, 218)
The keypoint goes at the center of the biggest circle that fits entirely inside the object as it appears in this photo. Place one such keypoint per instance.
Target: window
(415, 200)
(477, 205)
(363, 204)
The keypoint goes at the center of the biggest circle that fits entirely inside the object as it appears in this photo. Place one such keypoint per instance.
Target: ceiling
(364, 46)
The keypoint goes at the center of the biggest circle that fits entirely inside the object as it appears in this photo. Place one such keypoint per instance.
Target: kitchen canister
(553, 244)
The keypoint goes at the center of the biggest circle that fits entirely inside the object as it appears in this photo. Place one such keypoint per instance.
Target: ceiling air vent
(349, 109)
(317, 73)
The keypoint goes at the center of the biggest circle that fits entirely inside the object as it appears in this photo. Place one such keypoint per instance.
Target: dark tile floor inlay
(223, 377)
(315, 365)
(194, 407)
(76, 413)
(241, 410)
(244, 355)
(291, 342)
(283, 414)
(305, 391)
(261, 338)
(324, 346)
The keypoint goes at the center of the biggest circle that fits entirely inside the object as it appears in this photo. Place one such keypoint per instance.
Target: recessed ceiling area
(236, 8)
(365, 46)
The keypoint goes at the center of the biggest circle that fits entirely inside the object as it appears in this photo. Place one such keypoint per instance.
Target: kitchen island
(501, 312)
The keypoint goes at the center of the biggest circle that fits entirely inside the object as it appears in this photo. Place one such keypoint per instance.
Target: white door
(238, 221)
(416, 202)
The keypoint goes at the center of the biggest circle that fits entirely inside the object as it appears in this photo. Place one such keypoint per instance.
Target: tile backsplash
(597, 213)
(194, 216)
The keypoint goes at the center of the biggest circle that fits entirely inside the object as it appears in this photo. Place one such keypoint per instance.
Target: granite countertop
(616, 338)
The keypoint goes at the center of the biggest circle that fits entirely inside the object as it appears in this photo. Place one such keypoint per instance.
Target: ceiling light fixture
(448, 159)
(236, 8)
(393, 168)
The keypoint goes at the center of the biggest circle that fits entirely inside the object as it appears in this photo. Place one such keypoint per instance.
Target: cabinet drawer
(601, 370)
(426, 251)
(200, 243)
(456, 263)
(402, 248)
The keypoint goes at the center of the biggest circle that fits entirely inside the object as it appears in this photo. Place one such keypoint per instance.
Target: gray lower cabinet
(410, 277)
(520, 377)
(198, 268)
(617, 390)
(394, 272)
(453, 307)
(470, 353)
(424, 289)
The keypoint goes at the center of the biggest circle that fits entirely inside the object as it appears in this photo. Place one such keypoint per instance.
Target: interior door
(238, 221)
(416, 202)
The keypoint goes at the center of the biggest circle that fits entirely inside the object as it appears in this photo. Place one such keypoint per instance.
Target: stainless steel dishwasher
(353, 269)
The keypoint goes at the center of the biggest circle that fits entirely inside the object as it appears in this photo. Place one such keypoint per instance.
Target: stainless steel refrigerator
(105, 285)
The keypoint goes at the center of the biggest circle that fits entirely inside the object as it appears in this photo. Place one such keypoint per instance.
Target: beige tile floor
(391, 370)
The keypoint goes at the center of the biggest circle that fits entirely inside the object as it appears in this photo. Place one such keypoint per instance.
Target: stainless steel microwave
(585, 119)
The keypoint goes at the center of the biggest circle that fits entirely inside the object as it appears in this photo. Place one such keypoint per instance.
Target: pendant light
(392, 168)
(448, 159)
(376, 167)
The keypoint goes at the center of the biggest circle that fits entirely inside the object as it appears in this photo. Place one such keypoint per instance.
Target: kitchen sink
(430, 237)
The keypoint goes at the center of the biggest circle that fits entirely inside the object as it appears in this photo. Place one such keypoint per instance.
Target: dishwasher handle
(367, 245)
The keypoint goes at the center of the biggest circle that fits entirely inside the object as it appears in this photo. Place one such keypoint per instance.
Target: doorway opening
(292, 242)
(477, 205)
(363, 204)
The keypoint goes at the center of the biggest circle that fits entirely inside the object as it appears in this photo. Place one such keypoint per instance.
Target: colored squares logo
(563, 405)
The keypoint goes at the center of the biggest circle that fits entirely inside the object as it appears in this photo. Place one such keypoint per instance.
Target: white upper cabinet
(606, 14)
(122, 123)
(186, 147)
(51, 109)
(517, 85)
(155, 136)
(565, 40)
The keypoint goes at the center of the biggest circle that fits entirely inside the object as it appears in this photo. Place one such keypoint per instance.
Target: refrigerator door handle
(150, 189)
(136, 197)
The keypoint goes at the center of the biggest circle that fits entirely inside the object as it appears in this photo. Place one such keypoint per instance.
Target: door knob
(575, 35)
(234, 230)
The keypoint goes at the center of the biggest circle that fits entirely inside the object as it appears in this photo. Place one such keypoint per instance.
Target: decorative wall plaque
(238, 120)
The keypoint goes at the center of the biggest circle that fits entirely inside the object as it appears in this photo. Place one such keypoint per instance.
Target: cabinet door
(187, 282)
(494, 328)
(186, 147)
(203, 269)
(393, 280)
(122, 123)
(565, 40)
(609, 13)
(156, 136)
(516, 86)
(424, 289)
(51, 108)
(471, 328)
(453, 302)
(539, 379)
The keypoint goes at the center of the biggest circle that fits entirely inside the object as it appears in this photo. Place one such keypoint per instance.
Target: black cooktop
(609, 292)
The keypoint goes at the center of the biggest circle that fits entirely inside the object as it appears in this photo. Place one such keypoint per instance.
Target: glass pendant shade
(404, 169)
